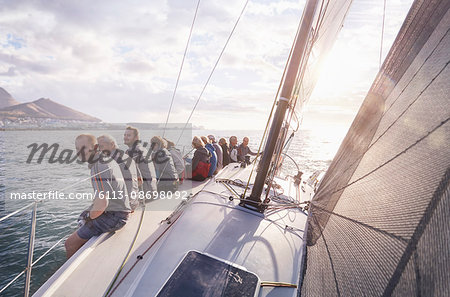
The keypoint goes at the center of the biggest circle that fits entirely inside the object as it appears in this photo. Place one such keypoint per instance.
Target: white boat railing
(31, 238)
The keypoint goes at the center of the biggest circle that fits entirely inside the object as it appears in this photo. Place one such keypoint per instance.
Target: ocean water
(56, 219)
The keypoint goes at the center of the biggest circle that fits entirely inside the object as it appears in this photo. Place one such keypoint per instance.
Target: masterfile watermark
(50, 195)
(68, 156)
(113, 195)
(53, 160)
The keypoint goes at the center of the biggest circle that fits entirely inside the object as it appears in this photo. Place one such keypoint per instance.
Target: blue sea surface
(56, 219)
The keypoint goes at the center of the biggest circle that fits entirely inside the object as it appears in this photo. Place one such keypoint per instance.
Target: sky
(119, 60)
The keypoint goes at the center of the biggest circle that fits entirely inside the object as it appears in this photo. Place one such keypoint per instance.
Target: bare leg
(73, 243)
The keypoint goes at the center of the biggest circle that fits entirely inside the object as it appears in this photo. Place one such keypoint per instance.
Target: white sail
(379, 220)
(327, 23)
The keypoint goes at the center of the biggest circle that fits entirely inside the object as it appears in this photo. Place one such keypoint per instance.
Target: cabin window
(201, 275)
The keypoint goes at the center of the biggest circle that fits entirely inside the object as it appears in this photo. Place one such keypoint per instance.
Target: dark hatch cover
(200, 275)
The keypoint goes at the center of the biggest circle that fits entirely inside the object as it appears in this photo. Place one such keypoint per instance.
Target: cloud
(10, 72)
(119, 60)
(25, 63)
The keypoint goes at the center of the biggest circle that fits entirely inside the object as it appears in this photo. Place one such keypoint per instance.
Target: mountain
(6, 99)
(41, 108)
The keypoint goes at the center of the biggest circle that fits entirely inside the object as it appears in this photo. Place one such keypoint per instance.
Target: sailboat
(375, 226)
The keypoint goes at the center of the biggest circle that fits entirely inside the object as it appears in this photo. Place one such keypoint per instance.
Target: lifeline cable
(209, 77)
(129, 251)
(181, 67)
(140, 257)
(213, 69)
(271, 111)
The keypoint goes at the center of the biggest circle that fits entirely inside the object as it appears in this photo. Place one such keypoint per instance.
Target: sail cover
(379, 224)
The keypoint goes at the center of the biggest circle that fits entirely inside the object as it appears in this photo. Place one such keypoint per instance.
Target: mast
(283, 103)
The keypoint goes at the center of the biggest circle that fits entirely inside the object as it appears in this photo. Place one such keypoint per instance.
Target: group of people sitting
(121, 179)
(210, 157)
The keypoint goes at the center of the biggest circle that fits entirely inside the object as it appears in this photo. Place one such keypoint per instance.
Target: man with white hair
(110, 207)
(219, 153)
(243, 150)
(108, 145)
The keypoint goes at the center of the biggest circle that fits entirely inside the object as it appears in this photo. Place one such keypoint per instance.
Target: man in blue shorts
(110, 208)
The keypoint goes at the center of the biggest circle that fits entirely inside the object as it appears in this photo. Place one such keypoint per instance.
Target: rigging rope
(382, 32)
(140, 257)
(125, 260)
(291, 112)
(213, 69)
(181, 67)
(165, 126)
(271, 111)
(207, 81)
(35, 261)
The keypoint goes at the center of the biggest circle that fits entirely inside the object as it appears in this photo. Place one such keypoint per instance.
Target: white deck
(90, 271)
(210, 223)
